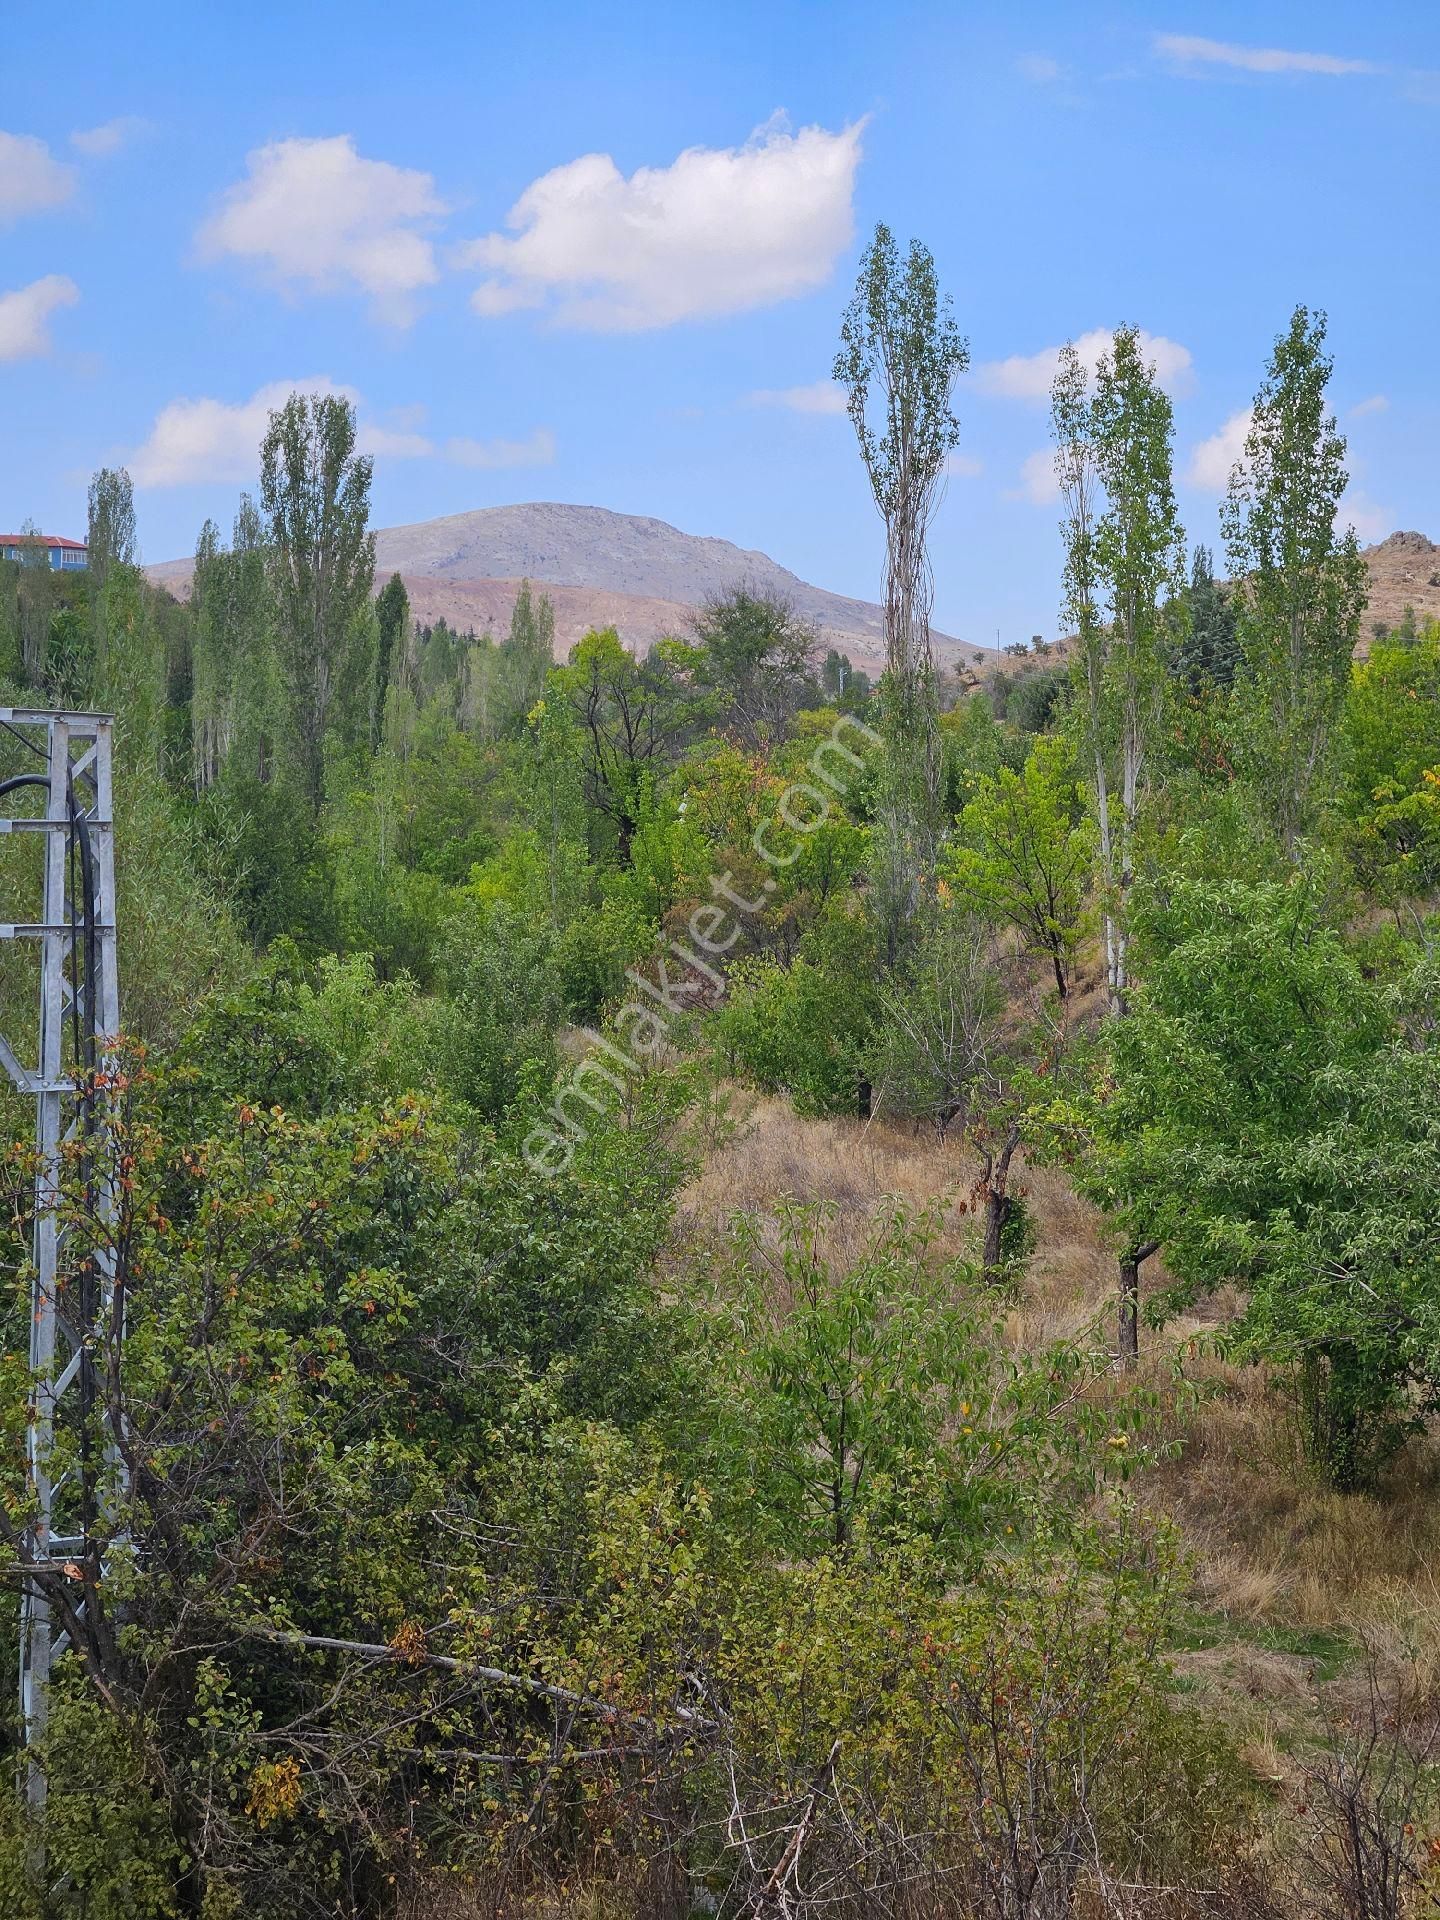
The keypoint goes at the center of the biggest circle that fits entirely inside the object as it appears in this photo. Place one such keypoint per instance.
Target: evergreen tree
(1208, 648)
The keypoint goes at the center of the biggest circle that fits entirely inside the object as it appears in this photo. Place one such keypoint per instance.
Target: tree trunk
(1128, 1345)
(995, 1181)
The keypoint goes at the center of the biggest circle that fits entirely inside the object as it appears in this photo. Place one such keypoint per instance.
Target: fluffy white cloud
(1030, 376)
(314, 213)
(1212, 460)
(206, 441)
(393, 443)
(821, 396)
(1377, 403)
(964, 466)
(1038, 482)
(25, 315)
(1370, 520)
(1038, 68)
(720, 230)
(32, 180)
(212, 440)
(98, 143)
(536, 451)
(1189, 50)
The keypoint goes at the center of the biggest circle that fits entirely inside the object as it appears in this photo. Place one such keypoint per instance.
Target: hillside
(1404, 572)
(647, 579)
(638, 574)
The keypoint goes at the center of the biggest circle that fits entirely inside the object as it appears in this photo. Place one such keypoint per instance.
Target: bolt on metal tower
(73, 1283)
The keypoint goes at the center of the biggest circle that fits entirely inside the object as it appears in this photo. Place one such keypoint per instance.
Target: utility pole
(73, 1301)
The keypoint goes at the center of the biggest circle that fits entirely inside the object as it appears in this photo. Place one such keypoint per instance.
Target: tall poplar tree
(1299, 583)
(1124, 558)
(110, 522)
(1124, 554)
(315, 495)
(899, 358)
(392, 609)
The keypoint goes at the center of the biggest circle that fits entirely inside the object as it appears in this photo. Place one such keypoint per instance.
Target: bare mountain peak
(632, 571)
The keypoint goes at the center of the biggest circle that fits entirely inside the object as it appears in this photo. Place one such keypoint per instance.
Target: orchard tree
(1269, 1116)
(1025, 853)
(1300, 584)
(629, 713)
(315, 495)
(900, 356)
(1390, 767)
(757, 658)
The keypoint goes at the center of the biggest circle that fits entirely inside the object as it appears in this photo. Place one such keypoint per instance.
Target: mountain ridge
(635, 572)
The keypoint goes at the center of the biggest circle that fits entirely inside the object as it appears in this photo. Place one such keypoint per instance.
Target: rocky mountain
(640, 575)
(1404, 572)
(647, 579)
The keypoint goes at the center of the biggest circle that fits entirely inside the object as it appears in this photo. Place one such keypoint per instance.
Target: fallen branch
(473, 1669)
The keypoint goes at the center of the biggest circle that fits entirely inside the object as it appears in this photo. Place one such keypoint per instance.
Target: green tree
(1025, 854)
(392, 612)
(874, 1394)
(1389, 753)
(315, 495)
(110, 522)
(1268, 1116)
(630, 714)
(1299, 584)
(899, 338)
(1208, 651)
(757, 655)
(525, 657)
(1138, 552)
(238, 703)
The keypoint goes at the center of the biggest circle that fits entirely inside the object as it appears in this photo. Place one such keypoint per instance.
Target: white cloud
(213, 440)
(1212, 460)
(821, 396)
(1370, 520)
(313, 213)
(32, 180)
(1038, 482)
(208, 441)
(536, 451)
(1038, 68)
(25, 314)
(1031, 376)
(720, 230)
(98, 143)
(1377, 403)
(393, 443)
(1190, 50)
(964, 466)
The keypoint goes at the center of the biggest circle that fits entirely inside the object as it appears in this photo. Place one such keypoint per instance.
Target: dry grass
(854, 1165)
(1273, 1545)
(1270, 1545)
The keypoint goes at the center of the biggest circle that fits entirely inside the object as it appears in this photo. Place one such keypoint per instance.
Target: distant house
(65, 555)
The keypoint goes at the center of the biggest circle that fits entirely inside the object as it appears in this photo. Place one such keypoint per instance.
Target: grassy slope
(1288, 1580)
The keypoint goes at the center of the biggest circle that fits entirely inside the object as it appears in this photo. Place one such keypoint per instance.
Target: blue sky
(200, 205)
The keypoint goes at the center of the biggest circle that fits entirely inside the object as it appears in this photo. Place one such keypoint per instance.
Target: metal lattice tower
(73, 1288)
